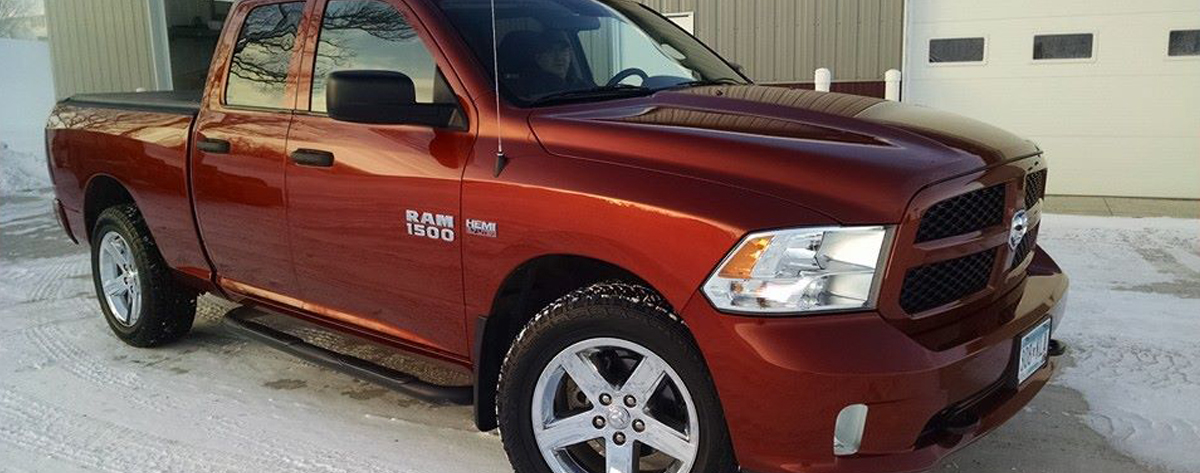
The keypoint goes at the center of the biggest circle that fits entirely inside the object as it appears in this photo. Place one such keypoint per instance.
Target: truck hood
(858, 160)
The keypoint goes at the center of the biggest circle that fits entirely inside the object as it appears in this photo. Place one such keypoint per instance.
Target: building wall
(27, 95)
(786, 40)
(101, 46)
(1125, 122)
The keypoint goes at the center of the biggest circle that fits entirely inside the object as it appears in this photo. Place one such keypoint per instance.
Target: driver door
(375, 223)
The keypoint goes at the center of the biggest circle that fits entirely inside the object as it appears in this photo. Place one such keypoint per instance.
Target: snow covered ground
(22, 171)
(73, 398)
(1134, 328)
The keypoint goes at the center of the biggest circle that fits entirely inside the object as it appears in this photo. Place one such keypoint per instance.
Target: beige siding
(786, 40)
(100, 45)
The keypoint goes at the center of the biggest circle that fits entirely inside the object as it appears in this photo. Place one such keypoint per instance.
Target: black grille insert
(1035, 188)
(966, 213)
(1024, 248)
(936, 284)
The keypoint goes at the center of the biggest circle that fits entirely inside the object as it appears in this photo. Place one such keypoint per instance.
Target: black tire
(167, 308)
(610, 310)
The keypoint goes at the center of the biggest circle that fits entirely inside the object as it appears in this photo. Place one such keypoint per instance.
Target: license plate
(1035, 348)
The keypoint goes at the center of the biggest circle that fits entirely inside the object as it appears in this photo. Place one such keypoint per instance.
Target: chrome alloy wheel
(119, 281)
(607, 405)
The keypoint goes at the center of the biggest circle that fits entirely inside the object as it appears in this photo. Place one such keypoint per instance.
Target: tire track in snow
(300, 456)
(51, 341)
(98, 445)
(44, 279)
(49, 281)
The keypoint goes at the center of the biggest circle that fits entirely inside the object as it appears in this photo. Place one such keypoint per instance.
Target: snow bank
(1133, 326)
(21, 171)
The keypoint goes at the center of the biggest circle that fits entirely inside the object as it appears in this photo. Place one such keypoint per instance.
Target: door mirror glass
(383, 97)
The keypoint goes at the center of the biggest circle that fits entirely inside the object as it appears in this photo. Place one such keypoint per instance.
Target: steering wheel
(627, 73)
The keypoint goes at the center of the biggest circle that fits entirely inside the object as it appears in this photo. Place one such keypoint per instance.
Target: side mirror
(382, 97)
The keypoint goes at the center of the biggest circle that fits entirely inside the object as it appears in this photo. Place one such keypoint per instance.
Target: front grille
(936, 284)
(1035, 188)
(966, 213)
(1022, 251)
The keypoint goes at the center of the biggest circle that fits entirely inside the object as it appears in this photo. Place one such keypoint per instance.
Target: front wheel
(605, 380)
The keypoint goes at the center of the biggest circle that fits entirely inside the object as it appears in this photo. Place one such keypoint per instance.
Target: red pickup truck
(644, 261)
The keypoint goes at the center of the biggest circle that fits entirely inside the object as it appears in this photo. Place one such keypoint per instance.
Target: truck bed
(136, 142)
(185, 102)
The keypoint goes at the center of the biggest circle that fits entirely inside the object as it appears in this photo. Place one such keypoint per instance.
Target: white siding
(1124, 123)
(100, 46)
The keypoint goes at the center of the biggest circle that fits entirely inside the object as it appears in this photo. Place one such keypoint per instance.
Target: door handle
(211, 145)
(312, 157)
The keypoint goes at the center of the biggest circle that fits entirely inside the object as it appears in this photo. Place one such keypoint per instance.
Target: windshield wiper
(704, 82)
(602, 92)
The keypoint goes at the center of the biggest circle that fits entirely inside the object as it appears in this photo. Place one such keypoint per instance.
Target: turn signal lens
(743, 261)
(800, 270)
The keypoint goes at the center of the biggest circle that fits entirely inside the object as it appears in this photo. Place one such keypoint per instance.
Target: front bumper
(783, 381)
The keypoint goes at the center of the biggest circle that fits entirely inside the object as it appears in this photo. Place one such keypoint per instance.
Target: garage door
(1110, 89)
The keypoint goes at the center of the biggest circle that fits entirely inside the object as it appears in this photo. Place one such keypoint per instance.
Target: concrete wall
(101, 46)
(786, 40)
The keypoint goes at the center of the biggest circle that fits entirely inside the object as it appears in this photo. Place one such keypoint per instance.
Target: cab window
(373, 35)
(262, 54)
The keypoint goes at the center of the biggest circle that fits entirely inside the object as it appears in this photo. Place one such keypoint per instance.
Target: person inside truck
(542, 63)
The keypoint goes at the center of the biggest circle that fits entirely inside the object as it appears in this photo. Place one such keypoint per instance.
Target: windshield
(579, 50)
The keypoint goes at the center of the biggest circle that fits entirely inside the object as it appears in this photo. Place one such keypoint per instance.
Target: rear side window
(1062, 46)
(956, 50)
(1184, 43)
(259, 69)
(372, 35)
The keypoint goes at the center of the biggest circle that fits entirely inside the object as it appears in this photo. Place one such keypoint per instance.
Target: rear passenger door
(376, 227)
(238, 154)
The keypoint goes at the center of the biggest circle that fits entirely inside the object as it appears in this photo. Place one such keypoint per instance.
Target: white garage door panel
(1063, 106)
(1093, 117)
(1152, 167)
(921, 11)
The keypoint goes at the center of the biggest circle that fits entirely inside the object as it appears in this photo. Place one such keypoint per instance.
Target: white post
(822, 79)
(891, 80)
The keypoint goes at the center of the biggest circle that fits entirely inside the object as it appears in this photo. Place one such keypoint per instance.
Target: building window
(1062, 46)
(1184, 43)
(956, 50)
(261, 57)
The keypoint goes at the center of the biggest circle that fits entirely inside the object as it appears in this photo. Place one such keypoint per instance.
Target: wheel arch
(103, 191)
(527, 289)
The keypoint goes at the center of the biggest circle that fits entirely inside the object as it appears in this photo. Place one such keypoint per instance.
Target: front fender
(668, 230)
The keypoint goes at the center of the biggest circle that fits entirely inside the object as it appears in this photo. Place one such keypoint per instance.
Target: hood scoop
(744, 123)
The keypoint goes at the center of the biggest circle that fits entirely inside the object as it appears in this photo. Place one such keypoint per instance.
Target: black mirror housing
(382, 97)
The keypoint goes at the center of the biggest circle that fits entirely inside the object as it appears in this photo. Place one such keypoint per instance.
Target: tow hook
(1057, 348)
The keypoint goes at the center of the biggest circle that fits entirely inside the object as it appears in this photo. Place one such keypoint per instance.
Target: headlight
(800, 270)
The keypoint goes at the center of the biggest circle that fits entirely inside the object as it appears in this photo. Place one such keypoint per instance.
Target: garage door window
(949, 50)
(1184, 43)
(1062, 46)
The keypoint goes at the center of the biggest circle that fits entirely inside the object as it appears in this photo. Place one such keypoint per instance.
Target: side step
(239, 320)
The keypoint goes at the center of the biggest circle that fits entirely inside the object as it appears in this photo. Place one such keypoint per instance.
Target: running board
(239, 321)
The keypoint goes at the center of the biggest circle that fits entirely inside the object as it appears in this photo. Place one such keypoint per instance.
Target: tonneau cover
(168, 101)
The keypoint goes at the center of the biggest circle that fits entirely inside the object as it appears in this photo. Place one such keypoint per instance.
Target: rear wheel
(604, 380)
(142, 303)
